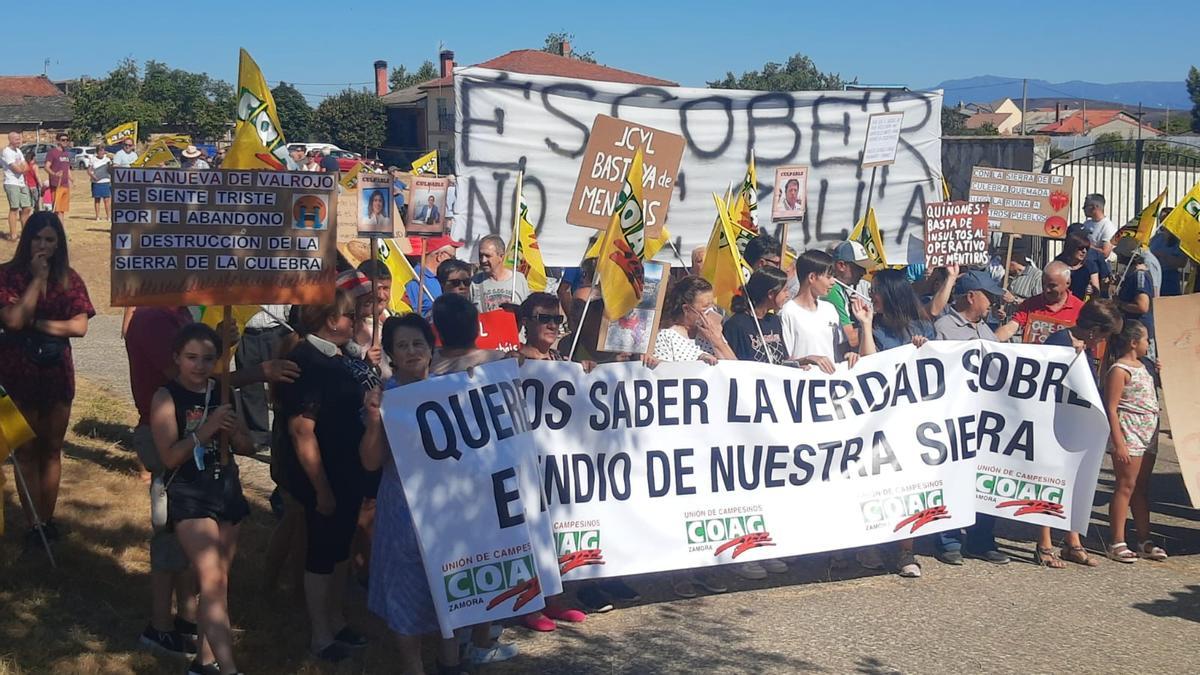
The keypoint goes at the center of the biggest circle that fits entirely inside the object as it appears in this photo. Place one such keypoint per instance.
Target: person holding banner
(850, 264)
(1054, 302)
(1132, 404)
(541, 317)
(974, 294)
(43, 304)
(204, 493)
(324, 428)
(812, 331)
(693, 326)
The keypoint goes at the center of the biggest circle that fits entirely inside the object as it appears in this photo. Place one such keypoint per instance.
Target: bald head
(1056, 281)
(14, 138)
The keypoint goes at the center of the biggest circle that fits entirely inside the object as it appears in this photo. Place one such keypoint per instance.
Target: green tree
(354, 120)
(402, 79)
(159, 99)
(295, 114)
(1193, 89)
(1175, 124)
(953, 122)
(554, 43)
(798, 74)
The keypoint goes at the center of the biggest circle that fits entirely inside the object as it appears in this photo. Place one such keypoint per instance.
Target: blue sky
(327, 45)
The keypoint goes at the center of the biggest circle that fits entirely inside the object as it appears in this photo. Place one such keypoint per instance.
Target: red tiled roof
(12, 86)
(979, 119)
(536, 62)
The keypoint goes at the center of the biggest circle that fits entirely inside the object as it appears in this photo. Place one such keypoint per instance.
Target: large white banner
(506, 122)
(689, 465)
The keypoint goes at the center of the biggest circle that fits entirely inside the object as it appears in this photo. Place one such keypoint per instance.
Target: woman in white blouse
(692, 325)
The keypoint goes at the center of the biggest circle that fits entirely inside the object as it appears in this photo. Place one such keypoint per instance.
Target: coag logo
(915, 508)
(740, 533)
(577, 548)
(513, 577)
(1030, 497)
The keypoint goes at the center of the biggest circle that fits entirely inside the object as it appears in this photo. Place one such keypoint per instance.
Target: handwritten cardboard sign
(1022, 202)
(956, 232)
(222, 237)
(609, 152)
(883, 135)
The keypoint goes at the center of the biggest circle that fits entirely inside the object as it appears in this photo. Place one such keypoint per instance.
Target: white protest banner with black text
(471, 477)
(506, 122)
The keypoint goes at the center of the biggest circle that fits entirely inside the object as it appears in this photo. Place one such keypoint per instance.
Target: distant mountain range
(984, 88)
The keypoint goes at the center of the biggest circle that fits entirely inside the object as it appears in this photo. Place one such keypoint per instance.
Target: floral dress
(1137, 411)
(29, 384)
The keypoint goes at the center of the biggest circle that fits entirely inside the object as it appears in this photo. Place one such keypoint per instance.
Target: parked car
(346, 160)
(81, 156)
(39, 151)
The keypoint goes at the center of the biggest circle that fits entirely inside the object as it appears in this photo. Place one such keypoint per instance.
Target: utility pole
(1024, 102)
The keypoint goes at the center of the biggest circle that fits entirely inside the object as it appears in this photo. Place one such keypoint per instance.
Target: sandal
(1151, 552)
(1121, 553)
(1078, 555)
(1046, 557)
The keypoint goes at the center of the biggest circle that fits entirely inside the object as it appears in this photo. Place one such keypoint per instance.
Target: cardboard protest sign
(634, 333)
(426, 205)
(609, 153)
(791, 193)
(498, 330)
(1177, 338)
(222, 237)
(883, 135)
(1040, 327)
(687, 465)
(375, 214)
(956, 232)
(1025, 203)
(463, 439)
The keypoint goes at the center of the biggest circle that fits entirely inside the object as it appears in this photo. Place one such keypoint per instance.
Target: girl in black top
(767, 292)
(204, 495)
(322, 411)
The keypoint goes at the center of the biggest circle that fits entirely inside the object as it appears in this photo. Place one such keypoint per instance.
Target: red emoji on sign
(1059, 200)
(1056, 227)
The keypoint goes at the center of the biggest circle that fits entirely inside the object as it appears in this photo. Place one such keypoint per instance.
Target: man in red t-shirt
(58, 165)
(1055, 302)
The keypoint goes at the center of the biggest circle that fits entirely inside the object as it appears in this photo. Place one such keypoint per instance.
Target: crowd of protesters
(309, 382)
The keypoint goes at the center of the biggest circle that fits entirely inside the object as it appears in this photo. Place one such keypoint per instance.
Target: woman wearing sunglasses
(542, 318)
(204, 494)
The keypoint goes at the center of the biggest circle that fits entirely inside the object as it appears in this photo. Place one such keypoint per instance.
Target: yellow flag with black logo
(1184, 222)
(866, 232)
(258, 141)
(402, 273)
(119, 133)
(350, 180)
(157, 155)
(524, 254)
(724, 266)
(1143, 228)
(426, 163)
(619, 267)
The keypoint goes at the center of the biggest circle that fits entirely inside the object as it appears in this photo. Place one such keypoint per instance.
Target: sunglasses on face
(457, 283)
(556, 319)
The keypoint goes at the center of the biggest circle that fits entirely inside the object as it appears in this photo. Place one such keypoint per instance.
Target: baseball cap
(432, 243)
(977, 280)
(852, 252)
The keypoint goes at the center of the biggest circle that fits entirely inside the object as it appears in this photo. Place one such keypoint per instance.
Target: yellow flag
(1143, 228)
(402, 273)
(258, 141)
(14, 430)
(524, 249)
(350, 180)
(655, 244)
(426, 163)
(1184, 222)
(743, 212)
(723, 265)
(866, 232)
(180, 141)
(945, 190)
(620, 264)
(158, 154)
(119, 133)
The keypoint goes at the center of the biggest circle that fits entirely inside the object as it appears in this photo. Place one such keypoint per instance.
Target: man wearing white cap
(850, 263)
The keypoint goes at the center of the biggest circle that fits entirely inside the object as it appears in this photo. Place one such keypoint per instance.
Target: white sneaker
(869, 558)
(774, 566)
(495, 654)
(750, 571)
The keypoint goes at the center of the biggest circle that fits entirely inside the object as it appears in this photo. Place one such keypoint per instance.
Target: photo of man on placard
(427, 205)
(791, 186)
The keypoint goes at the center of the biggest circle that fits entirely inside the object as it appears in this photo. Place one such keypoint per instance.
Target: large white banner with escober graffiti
(484, 536)
(507, 122)
(689, 465)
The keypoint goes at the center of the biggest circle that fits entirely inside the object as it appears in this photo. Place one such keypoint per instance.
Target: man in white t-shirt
(20, 200)
(812, 331)
(100, 171)
(126, 156)
(1099, 228)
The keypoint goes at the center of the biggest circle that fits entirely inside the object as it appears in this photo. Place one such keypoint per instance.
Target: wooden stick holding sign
(226, 362)
(375, 327)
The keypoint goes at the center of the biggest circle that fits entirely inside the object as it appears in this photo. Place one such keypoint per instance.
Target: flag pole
(871, 189)
(374, 294)
(754, 315)
(421, 279)
(516, 242)
(37, 521)
(591, 289)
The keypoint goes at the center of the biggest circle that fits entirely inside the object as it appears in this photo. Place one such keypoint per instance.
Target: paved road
(975, 618)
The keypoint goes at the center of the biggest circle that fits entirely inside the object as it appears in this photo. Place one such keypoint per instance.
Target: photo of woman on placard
(375, 208)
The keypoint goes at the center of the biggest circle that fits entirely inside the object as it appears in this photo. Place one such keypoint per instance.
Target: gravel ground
(977, 618)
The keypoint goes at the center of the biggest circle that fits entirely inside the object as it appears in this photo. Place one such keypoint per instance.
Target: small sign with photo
(634, 333)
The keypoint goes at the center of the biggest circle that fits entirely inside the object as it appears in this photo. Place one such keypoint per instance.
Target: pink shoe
(562, 614)
(538, 622)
